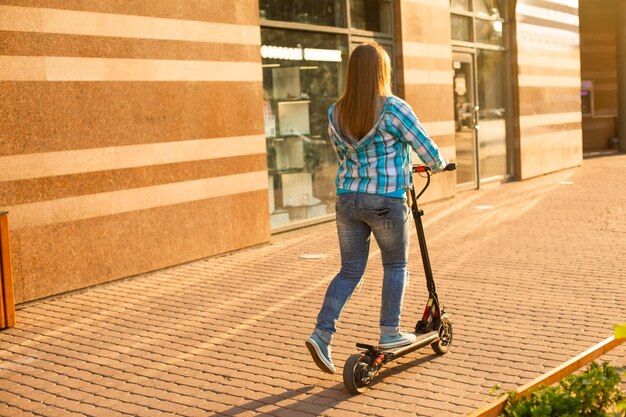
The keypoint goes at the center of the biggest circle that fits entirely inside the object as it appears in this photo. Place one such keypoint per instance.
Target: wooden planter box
(7, 301)
(497, 407)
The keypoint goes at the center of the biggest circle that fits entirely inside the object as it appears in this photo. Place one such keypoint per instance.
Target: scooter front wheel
(444, 340)
(356, 375)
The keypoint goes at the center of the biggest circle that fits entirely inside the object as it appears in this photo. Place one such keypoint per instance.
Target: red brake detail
(379, 359)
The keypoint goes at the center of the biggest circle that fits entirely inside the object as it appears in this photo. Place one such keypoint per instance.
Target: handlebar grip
(424, 168)
(420, 168)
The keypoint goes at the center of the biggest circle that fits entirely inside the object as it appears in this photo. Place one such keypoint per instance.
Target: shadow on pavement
(395, 370)
(320, 401)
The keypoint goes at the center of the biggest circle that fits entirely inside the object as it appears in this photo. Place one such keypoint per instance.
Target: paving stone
(225, 335)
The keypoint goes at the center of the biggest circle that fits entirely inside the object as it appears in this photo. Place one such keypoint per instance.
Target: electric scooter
(434, 329)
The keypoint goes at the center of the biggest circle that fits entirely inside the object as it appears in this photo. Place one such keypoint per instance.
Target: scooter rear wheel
(355, 373)
(444, 340)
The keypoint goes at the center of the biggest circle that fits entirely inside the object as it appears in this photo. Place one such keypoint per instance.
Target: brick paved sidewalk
(529, 283)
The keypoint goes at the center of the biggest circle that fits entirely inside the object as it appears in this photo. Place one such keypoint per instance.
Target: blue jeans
(358, 216)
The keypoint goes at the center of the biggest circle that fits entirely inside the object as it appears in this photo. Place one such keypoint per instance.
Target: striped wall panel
(132, 137)
(425, 76)
(548, 58)
(599, 65)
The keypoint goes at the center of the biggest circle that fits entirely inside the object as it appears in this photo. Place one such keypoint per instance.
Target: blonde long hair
(367, 78)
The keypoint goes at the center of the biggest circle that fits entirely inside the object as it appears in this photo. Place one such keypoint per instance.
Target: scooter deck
(423, 339)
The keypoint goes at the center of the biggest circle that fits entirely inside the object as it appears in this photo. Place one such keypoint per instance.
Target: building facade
(598, 43)
(140, 135)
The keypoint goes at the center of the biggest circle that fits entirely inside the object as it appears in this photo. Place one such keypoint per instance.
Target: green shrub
(593, 393)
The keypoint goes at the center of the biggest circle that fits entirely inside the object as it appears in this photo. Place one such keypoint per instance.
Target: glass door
(466, 119)
(492, 115)
(481, 91)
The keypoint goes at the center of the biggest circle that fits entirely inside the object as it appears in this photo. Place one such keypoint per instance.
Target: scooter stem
(417, 216)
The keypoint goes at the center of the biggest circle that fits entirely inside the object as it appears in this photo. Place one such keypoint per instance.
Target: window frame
(485, 18)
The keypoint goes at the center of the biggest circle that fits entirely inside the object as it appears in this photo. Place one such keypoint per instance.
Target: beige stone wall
(424, 74)
(547, 83)
(599, 65)
(131, 137)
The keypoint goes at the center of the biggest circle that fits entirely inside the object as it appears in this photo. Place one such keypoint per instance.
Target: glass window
(464, 96)
(318, 12)
(489, 7)
(371, 15)
(486, 26)
(461, 28)
(460, 4)
(302, 78)
(491, 116)
(489, 31)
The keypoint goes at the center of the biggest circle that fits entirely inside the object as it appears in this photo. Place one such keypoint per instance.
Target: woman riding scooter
(372, 133)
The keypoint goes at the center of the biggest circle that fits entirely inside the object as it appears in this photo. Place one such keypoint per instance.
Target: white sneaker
(398, 340)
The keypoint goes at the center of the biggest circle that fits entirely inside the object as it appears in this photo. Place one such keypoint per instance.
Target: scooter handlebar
(425, 168)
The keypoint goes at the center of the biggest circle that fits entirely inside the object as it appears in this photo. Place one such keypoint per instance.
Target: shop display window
(303, 69)
(302, 77)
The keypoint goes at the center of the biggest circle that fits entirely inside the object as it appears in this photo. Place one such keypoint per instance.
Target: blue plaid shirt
(380, 162)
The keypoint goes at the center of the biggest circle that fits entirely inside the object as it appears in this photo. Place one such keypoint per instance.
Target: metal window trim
(489, 18)
(382, 41)
(475, 46)
(371, 34)
(462, 13)
(302, 223)
(280, 24)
